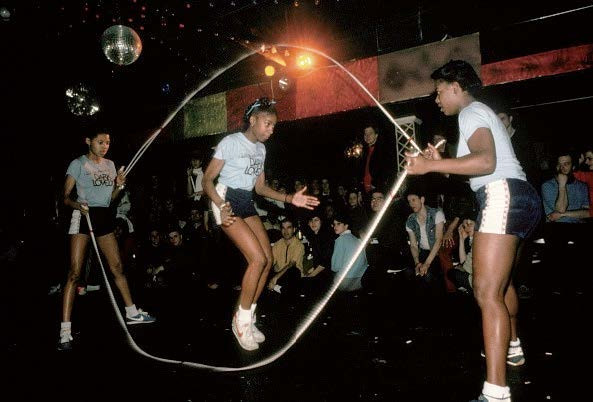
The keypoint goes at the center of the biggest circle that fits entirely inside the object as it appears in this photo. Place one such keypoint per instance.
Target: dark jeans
(432, 282)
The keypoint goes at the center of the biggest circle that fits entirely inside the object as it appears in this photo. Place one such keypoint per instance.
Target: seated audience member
(320, 246)
(425, 232)
(585, 173)
(151, 256)
(345, 246)
(288, 254)
(387, 243)
(461, 274)
(357, 213)
(179, 269)
(566, 205)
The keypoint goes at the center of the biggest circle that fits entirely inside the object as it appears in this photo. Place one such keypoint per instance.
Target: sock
(253, 307)
(496, 391)
(131, 311)
(243, 316)
(65, 331)
(515, 343)
(65, 326)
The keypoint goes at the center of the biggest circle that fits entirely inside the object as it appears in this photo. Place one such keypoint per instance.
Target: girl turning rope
(238, 163)
(97, 184)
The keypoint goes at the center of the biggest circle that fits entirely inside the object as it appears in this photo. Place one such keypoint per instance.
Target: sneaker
(516, 357)
(81, 290)
(141, 318)
(93, 288)
(244, 334)
(65, 342)
(484, 398)
(258, 336)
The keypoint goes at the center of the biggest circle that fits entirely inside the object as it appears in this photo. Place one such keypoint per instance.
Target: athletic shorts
(241, 202)
(102, 221)
(508, 206)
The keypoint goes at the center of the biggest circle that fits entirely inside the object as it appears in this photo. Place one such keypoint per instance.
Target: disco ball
(284, 83)
(81, 100)
(121, 45)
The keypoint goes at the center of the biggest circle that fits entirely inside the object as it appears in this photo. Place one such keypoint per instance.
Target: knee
(261, 262)
(485, 294)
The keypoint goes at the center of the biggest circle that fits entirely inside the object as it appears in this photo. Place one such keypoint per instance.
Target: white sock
(515, 343)
(65, 326)
(253, 307)
(243, 316)
(131, 311)
(496, 391)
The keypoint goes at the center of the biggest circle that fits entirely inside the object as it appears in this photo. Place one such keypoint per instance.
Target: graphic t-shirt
(243, 161)
(94, 181)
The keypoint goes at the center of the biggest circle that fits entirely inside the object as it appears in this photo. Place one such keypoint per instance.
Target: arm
(448, 235)
(462, 253)
(434, 250)
(120, 182)
(414, 250)
(562, 198)
(212, 172)
(190, 184)
(579, 213)
(480, 161)
(68, 187)
(298, 199)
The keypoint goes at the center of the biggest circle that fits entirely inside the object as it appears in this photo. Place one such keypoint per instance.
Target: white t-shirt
(243, 161)
(423, 240)
(477, 115)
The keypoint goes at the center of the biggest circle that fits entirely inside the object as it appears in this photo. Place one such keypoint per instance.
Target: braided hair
(261, 105)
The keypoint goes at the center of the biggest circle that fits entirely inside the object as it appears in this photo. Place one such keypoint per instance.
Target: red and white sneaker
(244, 334)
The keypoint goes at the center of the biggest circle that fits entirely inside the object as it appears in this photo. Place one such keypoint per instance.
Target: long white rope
(337, 281)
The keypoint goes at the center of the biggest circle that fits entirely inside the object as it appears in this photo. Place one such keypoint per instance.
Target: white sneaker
(244, 334)
(258, 336)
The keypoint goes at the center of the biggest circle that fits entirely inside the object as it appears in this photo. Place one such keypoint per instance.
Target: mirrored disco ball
(121, 45)
(81, 100)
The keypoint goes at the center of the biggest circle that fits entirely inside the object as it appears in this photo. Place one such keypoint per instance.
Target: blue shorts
(508, 206)
(241, 202)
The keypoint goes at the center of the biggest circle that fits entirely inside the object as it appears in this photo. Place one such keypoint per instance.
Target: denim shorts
(508, 206)
(241, 202)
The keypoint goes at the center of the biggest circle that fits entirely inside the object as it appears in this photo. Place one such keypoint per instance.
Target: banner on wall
(331, 90)
(405, 74)
(538, 65)
(205, 116)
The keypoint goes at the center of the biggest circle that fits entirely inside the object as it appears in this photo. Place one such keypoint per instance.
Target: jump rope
(306, 323)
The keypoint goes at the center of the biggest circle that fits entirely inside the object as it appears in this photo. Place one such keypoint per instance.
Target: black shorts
(508, 206)
(102, 221)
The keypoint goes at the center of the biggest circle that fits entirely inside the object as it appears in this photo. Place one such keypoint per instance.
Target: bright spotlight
(304, 61)
(270, 71)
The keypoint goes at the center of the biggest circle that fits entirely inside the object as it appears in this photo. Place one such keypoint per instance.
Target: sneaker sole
(517, 363)
(139, 322)
(248, 348)
(63, 347)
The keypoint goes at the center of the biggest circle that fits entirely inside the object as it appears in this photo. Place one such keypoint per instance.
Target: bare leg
(257, 227)
(247, 242)
(78, 246)
(494, 255)
(108, 245)
(512, 302)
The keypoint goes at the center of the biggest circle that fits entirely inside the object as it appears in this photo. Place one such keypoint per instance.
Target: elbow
(489, 164)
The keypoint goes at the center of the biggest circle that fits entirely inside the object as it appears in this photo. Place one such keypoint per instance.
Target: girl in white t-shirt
(97, 185)
(238, 163)
(510, 209)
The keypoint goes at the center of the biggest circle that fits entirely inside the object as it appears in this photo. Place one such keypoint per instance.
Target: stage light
(304, 61)
(270, 71)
